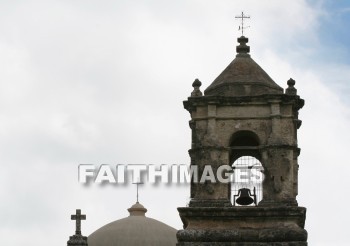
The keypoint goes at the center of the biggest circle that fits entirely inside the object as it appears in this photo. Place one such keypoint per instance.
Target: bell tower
(244, 127)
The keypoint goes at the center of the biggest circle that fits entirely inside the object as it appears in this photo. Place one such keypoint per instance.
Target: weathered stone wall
(214, 123)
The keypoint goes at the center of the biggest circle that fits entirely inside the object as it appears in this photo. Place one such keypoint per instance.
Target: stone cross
(242, 17)
(78, 217)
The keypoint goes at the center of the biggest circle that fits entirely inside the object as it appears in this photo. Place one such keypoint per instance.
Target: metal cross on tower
(137, 190)
(78, 217)
(242, 17)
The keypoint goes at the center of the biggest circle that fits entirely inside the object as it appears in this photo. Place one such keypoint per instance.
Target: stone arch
(244, 143)
(244, 138)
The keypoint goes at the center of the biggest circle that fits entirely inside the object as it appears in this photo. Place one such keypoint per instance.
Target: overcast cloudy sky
(103, 82)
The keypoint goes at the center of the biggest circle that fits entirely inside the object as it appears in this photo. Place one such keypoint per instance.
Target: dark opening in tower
(247, 178)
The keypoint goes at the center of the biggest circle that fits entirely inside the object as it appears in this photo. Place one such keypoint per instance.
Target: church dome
(243, 77)
(135, 230)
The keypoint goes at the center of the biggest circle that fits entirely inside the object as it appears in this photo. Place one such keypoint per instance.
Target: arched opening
(246, 186)
(244, 138)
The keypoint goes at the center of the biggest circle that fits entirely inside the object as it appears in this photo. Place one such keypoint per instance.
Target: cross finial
(137, 190)
(242, 17)
(78, 217)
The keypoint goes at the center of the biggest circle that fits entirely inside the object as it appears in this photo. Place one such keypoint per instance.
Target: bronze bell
(245, 197)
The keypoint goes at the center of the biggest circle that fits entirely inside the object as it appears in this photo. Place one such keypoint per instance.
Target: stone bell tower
(244, 113)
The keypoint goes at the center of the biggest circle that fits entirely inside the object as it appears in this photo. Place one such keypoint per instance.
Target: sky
(102, 82)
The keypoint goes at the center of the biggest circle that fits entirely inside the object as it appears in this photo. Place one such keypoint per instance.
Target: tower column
(275, 137)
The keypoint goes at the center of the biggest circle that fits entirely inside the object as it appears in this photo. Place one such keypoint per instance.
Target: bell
(244, 197)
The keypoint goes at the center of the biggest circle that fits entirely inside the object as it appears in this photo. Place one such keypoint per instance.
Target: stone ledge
(255, 235)
(244, 244)
(193, 102)
(243, 212)
(242, 224)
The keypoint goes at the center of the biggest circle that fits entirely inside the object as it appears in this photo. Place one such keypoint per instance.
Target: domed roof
(135, 230)
(243, 77)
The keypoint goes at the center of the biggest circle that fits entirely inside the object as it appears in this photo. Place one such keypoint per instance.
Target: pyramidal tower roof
(243, 77)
